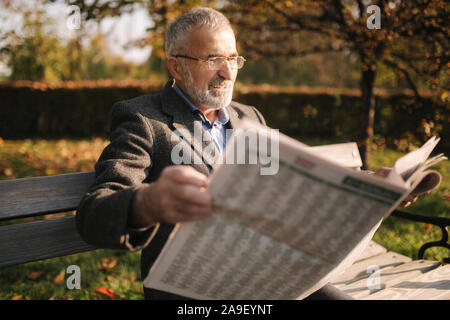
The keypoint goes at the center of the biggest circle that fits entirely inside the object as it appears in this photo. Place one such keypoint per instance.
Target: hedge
(82, 110)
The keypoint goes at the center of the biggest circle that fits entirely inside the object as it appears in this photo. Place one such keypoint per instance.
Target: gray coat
(140, 148)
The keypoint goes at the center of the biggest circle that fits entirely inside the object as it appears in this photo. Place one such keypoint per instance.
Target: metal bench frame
(441, 222)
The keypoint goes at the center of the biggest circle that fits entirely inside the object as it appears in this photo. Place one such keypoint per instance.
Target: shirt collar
(222, 117)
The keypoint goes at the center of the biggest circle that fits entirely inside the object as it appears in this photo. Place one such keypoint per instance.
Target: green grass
(39, 280)
(17, 282)
(407, 237)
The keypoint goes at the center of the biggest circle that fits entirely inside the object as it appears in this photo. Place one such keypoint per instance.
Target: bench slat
(40, 195)
(373, 249)
(388, 278)
(358, 270)
(432, 285)
(40, 240)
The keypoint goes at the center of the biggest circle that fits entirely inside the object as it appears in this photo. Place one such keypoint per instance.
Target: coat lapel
(234, 116)
(183, 119)
(188, 128)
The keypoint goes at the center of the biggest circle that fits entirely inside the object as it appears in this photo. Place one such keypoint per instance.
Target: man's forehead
(212, 41)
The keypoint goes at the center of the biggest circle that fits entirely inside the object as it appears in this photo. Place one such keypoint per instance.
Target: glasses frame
(209, 60)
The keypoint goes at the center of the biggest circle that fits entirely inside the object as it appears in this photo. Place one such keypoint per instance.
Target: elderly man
(139, 194)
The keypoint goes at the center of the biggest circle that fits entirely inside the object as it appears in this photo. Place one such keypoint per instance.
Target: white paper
(279, 236)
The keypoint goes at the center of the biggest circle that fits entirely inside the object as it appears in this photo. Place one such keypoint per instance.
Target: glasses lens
(234, 62)
(240, 62)
(216, 63)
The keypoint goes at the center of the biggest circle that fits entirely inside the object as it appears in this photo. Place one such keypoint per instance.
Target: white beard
(205, 96)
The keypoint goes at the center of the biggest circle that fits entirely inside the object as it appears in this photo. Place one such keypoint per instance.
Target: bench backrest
(41, 239)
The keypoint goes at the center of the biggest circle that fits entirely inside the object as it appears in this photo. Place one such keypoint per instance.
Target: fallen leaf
(106, 291)
(50, 171)
(34, 275)
(108, 264)
(18, 297)
(60, 277)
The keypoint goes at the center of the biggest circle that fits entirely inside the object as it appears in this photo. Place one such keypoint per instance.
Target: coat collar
(183, 118)
(233, 114)
(174, 106)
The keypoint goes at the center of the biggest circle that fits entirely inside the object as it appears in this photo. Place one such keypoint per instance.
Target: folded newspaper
(284, 234)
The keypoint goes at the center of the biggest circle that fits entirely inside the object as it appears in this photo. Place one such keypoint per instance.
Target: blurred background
(320, 71)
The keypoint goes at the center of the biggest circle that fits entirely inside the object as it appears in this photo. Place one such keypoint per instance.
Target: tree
(412, 40)
(33, 54)
(162, 12)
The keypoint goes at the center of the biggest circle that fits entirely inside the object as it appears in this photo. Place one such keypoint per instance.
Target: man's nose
(226, 71)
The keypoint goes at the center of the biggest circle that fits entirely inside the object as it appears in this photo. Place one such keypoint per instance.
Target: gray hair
(178, 31)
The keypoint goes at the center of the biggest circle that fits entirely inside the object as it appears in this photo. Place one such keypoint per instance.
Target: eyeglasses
(216, 63)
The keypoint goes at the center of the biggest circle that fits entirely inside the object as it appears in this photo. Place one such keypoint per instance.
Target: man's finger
(192, 195)
(193, 212)
(187, 175)
(183, 212)
(405, 204)
(410, 198)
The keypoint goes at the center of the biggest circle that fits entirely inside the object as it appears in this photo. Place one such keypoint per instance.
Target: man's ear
(174, 67)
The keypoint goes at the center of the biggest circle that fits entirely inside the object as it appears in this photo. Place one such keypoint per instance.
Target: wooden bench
(399, 277)
(34, 197)
(379, 274)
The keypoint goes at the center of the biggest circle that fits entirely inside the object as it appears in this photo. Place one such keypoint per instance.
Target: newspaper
(285, 235)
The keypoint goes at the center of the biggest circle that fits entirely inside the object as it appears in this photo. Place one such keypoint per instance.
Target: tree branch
(405, 73)
(301, 22)
(295, 53)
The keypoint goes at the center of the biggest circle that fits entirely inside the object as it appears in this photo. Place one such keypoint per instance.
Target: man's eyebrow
(220, 55)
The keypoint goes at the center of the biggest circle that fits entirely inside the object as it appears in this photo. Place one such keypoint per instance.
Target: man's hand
(178, 195)
(410, 198)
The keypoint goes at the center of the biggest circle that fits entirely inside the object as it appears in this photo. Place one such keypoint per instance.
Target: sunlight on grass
(38, 157)
(407, 237)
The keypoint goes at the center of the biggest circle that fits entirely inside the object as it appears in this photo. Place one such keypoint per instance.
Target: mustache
(220, 82)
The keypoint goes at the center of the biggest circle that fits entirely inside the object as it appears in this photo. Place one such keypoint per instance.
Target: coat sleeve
(102, 215)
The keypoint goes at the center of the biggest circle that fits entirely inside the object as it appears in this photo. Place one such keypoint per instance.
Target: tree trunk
(367, 114)
(276, 66)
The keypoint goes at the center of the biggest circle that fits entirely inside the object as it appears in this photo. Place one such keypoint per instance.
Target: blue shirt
(216, 129)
